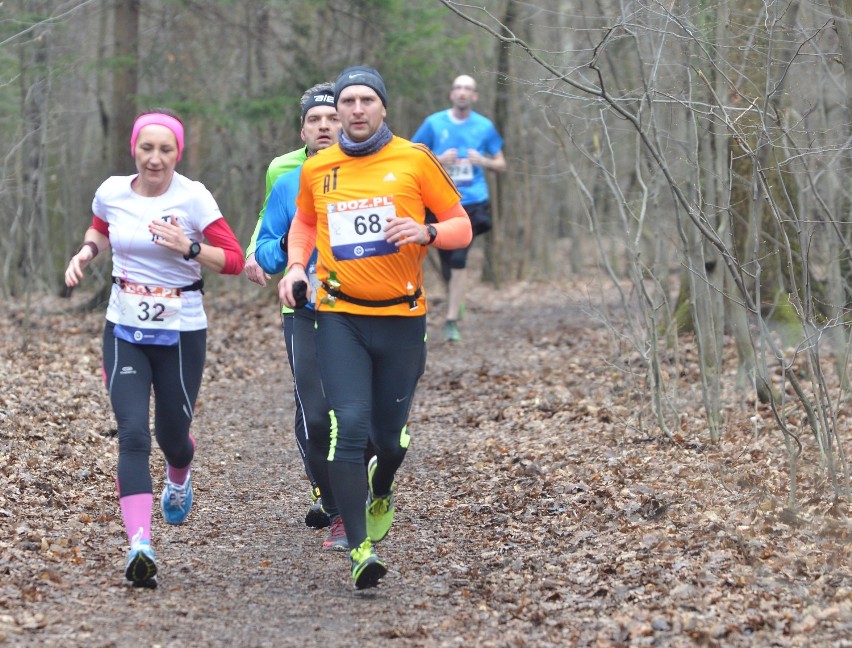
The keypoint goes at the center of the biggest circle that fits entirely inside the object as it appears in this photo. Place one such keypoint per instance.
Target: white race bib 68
(356, 227)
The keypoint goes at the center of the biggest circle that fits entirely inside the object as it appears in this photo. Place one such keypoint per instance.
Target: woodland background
(693, 155)
(698, 149)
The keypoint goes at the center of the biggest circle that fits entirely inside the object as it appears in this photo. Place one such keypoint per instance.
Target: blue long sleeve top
(277, 219)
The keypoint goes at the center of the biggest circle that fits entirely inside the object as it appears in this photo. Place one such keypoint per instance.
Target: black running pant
(174, 373)
(370, 367)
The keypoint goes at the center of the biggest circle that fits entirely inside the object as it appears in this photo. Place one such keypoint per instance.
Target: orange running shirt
(350, 199)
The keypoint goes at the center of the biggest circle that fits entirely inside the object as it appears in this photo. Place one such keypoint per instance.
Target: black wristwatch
(433, 234)
(282, 243)
(194, 250)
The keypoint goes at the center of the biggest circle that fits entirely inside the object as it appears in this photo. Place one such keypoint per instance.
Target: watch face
(194, 250)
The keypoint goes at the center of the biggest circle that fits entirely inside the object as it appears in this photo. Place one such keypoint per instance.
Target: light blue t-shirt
(440, 131)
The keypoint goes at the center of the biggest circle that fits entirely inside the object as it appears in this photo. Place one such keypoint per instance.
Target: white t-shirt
(135, 256)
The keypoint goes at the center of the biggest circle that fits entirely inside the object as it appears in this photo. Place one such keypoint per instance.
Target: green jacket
(278, 167)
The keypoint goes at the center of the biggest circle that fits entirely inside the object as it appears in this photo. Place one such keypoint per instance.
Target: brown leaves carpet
(539, 505)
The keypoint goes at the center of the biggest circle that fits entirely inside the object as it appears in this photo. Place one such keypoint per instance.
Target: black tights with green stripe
(370, 367)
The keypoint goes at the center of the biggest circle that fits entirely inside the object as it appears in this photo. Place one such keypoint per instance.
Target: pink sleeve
(220, 235)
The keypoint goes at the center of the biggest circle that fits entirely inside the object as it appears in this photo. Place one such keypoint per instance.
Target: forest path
(530, 512)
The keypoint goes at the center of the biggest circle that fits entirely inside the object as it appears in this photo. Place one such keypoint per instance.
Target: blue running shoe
(176, 500)
(379, 509)
(141, 567)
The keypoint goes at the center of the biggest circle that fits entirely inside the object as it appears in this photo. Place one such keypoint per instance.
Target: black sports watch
(194, 250)
(433, 234)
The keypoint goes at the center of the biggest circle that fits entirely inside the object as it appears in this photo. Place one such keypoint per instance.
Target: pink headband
(161, 120)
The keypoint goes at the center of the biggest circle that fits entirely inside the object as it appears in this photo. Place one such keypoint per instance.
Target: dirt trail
(530, 511)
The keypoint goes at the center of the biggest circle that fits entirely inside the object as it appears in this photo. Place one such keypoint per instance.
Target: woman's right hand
(78, 262)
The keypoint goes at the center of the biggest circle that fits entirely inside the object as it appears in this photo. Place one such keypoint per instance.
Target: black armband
(91, 245)
(282, 243)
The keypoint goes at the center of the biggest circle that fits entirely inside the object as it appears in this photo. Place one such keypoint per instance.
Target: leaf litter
(537, 505)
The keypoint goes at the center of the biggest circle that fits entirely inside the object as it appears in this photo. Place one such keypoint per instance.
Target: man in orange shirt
(363, 203)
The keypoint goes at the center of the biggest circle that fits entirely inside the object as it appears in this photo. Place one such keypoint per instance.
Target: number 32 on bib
(148, 315)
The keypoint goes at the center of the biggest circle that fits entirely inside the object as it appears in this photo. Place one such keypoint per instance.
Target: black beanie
(323, 98)
(361, 75)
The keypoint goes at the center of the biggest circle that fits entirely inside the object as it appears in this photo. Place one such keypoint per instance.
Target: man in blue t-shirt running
(467, 144)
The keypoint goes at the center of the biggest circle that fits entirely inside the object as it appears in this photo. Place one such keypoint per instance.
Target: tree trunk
(840, 277)
(124, 84)
(35, 249)
(491, 270)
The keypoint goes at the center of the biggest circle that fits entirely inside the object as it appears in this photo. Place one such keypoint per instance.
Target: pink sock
(178, 475)
(136, 513)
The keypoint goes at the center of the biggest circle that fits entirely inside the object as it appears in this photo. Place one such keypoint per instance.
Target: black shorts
(480, 220)
(480, 217)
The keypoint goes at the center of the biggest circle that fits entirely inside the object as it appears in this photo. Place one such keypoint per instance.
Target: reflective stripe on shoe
(140, 568)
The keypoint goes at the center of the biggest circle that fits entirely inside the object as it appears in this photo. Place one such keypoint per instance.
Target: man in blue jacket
(320, 129)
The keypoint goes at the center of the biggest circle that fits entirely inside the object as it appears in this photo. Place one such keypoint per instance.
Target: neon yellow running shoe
(367, 567)
(379, 509)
